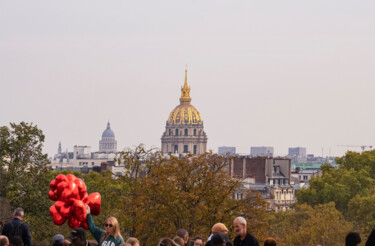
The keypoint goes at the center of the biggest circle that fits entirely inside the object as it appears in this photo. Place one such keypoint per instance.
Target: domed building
(108, 144)
(184, 131)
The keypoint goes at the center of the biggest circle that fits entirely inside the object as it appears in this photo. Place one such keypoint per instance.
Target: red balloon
(52, 195)
(83, 195)
(70, 177)
(74, 222)
(84, 225)
(61, 187)
(81, 185)
(52, 185)
(94, 202)
(64, 208)
(79, 210)
(60, 178)
(57, 218)
(70, 194)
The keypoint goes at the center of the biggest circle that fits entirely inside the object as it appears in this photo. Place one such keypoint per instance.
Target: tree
(192, 192)
(337, 185)
(21, 153)
(306, 225)
(24, 175)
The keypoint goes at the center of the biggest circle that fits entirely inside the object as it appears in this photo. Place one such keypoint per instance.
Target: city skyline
(261, 74)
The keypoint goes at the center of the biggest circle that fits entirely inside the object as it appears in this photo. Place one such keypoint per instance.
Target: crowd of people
(17, 233)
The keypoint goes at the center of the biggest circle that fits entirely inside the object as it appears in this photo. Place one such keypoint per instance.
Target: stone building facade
(184, 132)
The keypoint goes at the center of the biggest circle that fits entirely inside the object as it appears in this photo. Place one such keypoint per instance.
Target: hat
(58, 239)
(219, 227)
(218, 239)
(79, 232)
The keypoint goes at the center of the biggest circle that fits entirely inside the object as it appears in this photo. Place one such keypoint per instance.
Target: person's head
(198, 241)
(112, 227)
(179, 240)
(219, 228)
(18, 213)
(78, 237)
(239, 225)
(166, 242)
(58, 240)
(132, 241)
(218, 239)
(352, 239)
(4, 241)
(16, 241)
(270, 242)
(184, 234)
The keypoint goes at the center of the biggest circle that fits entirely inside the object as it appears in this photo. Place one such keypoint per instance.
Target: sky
(262, 73)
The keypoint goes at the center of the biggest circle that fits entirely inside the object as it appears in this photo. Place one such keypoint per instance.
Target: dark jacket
(13, 225)
(249, 240)
(227, 241)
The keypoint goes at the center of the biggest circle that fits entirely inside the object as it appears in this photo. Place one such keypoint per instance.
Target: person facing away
(16, 227)
(243, 238)
(79, 237)
(16, 241)
(111, 236)
(4, 241)
(179, 241)
(58, 240)
(220, 228)
(353, 239)
(184, 234)
(167, 242)
(132, 241)
(270, 242)
(218, 239)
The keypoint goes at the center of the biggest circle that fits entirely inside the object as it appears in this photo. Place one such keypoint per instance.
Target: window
(170, 132)
(195, 132)
(185, 148)
(195, 149)
(176, 148)
(304, 177)
(92, 163)
(186, 132)
(176, 132)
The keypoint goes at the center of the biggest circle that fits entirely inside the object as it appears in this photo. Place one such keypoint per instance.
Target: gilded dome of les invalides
(185, 113)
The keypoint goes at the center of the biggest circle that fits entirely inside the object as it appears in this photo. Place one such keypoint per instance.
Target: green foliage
(338, 185)
(306, 225)
(350, 187)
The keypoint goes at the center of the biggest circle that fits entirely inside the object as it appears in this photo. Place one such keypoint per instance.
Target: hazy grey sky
(262, 73)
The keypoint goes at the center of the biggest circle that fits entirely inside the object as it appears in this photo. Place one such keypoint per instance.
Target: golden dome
(185, 113)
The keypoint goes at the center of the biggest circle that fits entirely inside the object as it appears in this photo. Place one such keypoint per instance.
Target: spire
(185, 91)
(108, 125)
(59, 149)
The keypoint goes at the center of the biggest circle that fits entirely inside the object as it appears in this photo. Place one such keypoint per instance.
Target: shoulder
(119, 239)
(251, 238)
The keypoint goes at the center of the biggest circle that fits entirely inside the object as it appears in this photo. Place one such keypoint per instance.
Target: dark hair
(352, 239)
(182, 233)
(270, 242)
(197, 237)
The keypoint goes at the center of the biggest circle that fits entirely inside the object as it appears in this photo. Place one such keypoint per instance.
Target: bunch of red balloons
(71, 198)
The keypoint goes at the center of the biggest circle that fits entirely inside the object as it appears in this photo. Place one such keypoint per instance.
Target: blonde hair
(116, 228)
